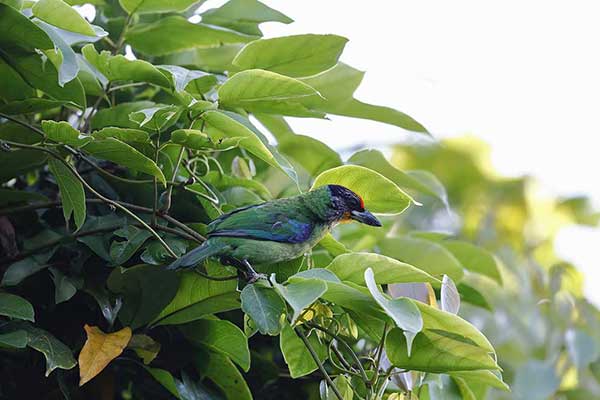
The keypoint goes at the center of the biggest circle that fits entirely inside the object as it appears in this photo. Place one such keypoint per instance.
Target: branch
(97, 194)
(25, 124)
(315, 357)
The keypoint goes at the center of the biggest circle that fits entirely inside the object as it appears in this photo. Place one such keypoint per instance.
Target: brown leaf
(100, 349)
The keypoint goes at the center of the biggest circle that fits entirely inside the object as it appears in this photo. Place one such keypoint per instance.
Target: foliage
(112, 165)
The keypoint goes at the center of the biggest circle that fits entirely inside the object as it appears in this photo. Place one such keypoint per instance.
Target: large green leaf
(123, 154)
(352, 266)
(127, 135)
(198, 296)
(222, 336)
(175, 33)
(219, 369)
(474, 258)
(379, 193)
(214, 59)
(63, 132)
(220, 125)
(491, 378)
(402, 311)
(256, 90)
(146, 290)
(438, 352)
(157, 118)
(301, 294)
(62, 15)
(14, 306)
(423, 182)
(44, 76)
(435, 319)
(295, 353)
(71, 192)
(243, 16)
(17, 339)
(295, 56)
(337, 85)
(423, 254)
(121, 251)
(157, 6)
(314, 156)
(181, 78)
(30, 106)
(165, 379)
(13, 87)
(119, 68)
(17, 31)
(57, 354)
(264, 306)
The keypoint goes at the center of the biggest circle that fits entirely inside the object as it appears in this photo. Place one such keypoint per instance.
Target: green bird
(277, 230)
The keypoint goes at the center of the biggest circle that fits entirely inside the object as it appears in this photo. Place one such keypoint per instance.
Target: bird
(277, 230)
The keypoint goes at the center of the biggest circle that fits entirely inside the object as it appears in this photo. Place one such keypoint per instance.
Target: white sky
(522, 75)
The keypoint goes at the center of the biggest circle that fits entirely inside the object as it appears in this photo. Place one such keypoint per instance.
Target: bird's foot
(253, 277)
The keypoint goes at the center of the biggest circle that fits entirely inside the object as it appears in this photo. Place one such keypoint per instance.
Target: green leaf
(402, 311)
(314, 156)
(423, 254)
(57, 354)
(8, 196)
(582, 347)
(217, 59)
(219, 369)
(156, 254)
(175, 33)
(438, 320)
(491, 378)
(14, 306)
(221, 125)
(146, 289)
(29, 106)
(243, 16)
(71, 192)
(119, 68)
(118, 116)
(263, 91)
(295, 56)
(62, 15)
(121, 251)
(165, 379)
(17, 339)
(264, 306)
(181, 78)
(437, 352)
(351, 267)
(63, 132)
(474, 258)
(13, 85)
(44, 76)
(221, 336)
(157, 118)
(223, 182)
(127, 135)
(299, 295)
(64, 287)
(337, 86)
(379, 193)
(62, 56)
(18, 31)
(344, 386)
(420, 181)
(157, 6)
(123, 154)
(198, 296)
(295, 353)
(20, 270)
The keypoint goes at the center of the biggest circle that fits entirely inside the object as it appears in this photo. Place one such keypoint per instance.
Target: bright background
(522, 75)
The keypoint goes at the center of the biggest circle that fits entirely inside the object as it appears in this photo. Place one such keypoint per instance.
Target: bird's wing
(274, 221)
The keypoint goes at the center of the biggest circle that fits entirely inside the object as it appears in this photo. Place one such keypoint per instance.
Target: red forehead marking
(362, 202)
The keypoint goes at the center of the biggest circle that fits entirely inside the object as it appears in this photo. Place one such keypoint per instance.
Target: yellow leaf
(100, 349)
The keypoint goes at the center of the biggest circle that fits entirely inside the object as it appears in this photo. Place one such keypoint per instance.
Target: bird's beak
(365, 217)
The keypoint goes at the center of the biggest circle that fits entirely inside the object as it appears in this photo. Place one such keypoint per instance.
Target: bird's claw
(254, 277)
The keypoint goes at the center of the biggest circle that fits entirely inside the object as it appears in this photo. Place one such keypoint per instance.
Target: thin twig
(96, 193)
(315, 357)
(25, 124)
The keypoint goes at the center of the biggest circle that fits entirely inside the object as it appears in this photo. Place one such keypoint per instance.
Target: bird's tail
(197, 255)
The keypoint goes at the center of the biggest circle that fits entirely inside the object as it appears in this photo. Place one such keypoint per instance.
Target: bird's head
(349, 206)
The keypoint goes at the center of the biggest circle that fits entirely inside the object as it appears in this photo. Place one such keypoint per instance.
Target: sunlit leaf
(62, 15)
(265, 307)
(295, 353)
(379, 193)
(300, 295)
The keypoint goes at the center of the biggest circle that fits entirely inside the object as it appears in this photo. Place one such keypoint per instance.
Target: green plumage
(277, 230)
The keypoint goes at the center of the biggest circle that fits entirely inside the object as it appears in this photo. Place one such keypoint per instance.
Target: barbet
(278, 230)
